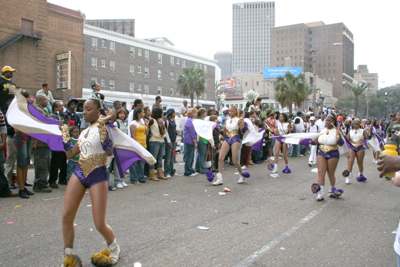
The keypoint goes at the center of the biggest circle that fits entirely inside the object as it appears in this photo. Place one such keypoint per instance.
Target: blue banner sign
(273, 73)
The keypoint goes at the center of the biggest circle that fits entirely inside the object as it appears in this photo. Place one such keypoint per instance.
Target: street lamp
(315, 76)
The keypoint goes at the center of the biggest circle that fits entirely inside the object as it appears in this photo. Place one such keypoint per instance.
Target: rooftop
(75, 14)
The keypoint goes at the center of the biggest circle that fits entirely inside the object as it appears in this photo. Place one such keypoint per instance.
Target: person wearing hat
(5, 83)
(224, 116)
(71, 114)
(170, 143)
(312, 128)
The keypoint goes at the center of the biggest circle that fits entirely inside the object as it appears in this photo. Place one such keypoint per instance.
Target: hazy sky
(205, 27)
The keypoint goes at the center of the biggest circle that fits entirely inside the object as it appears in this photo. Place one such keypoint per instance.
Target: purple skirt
(360, 148)
(333, 154)
(233, 140)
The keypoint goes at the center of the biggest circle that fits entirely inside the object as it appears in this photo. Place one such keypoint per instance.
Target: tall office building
(251, 37)
(370, 78)
(224, 61)
(300, 42)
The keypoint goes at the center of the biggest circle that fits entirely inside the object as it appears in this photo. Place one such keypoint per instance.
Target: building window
(334, 71)
(277, 59)
(103, 62)
(160, 58)
(172, 74)
(159, 74)
(146, 55)
(177, 92)
(112, 84)
(112, 66)
(258, 83)
(205, 68)
(183, 63)
(146, 88)
(103, 42)
(139, 69)
(245, 84)
(132, 69)
(171, 91)
(146, 72)
(132, 51)
(102, 82)
(139, 52)
(112, 47)
(94, 63)
(196, 65)
(131, 87)
(159, 90)
(177, 61)
(205, 95)
(139, 87)
(93, 80)
(172, 60)
(94, 43)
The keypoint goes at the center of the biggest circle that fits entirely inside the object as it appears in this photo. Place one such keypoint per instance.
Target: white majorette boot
(320, 196)
(219, 180)
(348, 179)
(115, 251)
(241, 179)
(274, 170)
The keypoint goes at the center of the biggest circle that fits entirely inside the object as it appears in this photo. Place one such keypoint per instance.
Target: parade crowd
(166, 132)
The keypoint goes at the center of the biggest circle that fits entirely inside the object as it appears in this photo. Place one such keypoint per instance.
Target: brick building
(334, 64)
(127, 68)
(44, 42)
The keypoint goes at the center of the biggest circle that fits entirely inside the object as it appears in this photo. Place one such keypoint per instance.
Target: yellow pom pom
(72, 261)
(102, 259)
(106, 252)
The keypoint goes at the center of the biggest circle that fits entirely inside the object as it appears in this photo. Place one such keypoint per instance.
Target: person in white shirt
(138, 103)
(298, 128)
(47, 93)
(312, 128)
(321, 122)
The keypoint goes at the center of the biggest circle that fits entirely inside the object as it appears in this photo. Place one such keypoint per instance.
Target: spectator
(190, 142)
(74, 133)
(72, 116)
(65, 104)
(202, 146)
(47, 93)
(215, 145)
(224, 116)
(184, 109)
(95, 89)
(4, 187)
(170, 143)
(138, 103)
(5, 83)
(156, 141)
(41, 153)
(58, 158)
(158, 103)
(139, 131)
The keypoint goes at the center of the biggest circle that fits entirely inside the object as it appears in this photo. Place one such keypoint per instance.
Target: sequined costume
(232, 130)
(93, 142)
(356, 139)
(328, 143)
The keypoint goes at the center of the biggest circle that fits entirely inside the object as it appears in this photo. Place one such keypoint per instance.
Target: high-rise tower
(251, 37)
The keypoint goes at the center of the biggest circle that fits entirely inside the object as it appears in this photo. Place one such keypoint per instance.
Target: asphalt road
(263, 222)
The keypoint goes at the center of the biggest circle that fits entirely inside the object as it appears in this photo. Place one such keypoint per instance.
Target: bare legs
(222, 154)
(73, 197)
(360, 160)
(278, 146)
(22, 172)
(329, 167)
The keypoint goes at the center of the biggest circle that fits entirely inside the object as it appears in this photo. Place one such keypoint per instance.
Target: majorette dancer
(231, 141)
(93, 147)
(356, 137)
(282, 128)
(328, 157)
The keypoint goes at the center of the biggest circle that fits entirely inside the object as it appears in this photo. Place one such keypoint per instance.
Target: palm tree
(191, 82)
(357, 91)
(291, 89)
(250, 97)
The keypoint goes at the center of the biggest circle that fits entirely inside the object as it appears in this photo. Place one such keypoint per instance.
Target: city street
(263, 222)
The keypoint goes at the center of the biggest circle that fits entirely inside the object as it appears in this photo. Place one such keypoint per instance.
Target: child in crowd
(121, 118)
(215, 143)
(74, 133)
